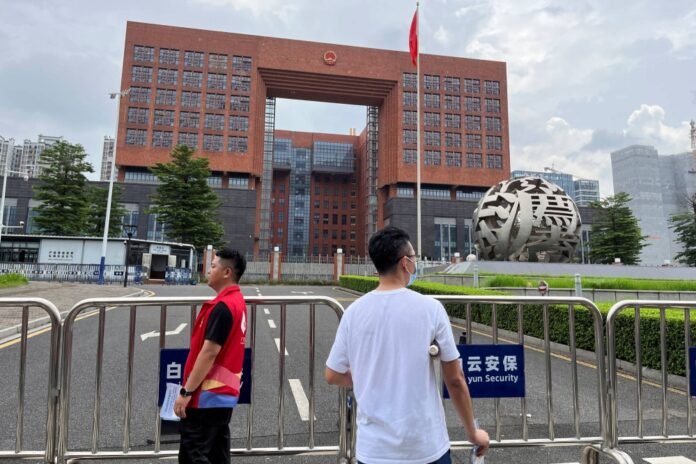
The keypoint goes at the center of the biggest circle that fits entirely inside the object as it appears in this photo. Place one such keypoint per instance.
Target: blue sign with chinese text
(493, 371)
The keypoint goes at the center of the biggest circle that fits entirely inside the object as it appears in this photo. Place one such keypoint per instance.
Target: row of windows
(453, 139)
(454, 159)
(190, 78)
(187, 119)
(452, 102)
(213, 101)
(451, 84)
(453, 121)
(409, 192)
(234, 182)
(165, 139)
(192, 59)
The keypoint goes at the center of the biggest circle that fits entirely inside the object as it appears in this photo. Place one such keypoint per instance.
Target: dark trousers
(444, 459)
(205, 436)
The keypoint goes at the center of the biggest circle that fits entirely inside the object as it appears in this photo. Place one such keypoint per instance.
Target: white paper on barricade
(167, 409)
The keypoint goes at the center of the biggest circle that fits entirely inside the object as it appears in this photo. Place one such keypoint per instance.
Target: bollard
(462, 337)
(476, 276)
(578, 285)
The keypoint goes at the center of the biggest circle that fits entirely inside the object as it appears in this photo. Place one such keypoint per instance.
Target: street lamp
(130, 229)
(102, 262)
(25, 176)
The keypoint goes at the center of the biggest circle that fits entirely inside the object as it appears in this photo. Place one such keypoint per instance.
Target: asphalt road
(296, 386)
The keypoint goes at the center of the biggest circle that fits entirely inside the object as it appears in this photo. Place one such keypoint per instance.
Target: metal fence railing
(84, 273)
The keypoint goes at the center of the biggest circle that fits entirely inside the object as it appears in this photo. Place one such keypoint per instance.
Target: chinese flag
(413, 39)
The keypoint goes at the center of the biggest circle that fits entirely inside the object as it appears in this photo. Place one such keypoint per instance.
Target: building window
(409, 156)
(410, 99)
(432, 158)
(409, 80)
(136, 137)
(155, 229)
(169, 56)
(215, 181)
(432, 100)
(166, 76)
(472, 103)
(193, 59)
(141, 176)
(445, 238)
(165, 97)
(217, 61)
(215, 101)
(139, 95)
(162, 139)
(138, 115)
(494, 161)
(452, 102)
(432, 138)
(453, 121)
(193, 79)
(492, 105)
(474, 160)
(141, 53)
(431, 192)
(453, 159)
(473, 141)
(453, 139)
(432, 119)
(239, 182)
(141, 74)
(451, 84)
(241, 84)
(409, 137)
(217, 81)
(493, 124)
(462, 195)
(241, 63)
(494, 142)
(431, 82)
(472, 86)
(191, 99)
(473, 122)
(215, 122)
(239, 103)
(492, 87)
(239, 123)
(189, 120)
(164, 118)
(212, 142)
(188, 139)
(237, 144)
(410, 118)
(403, 192)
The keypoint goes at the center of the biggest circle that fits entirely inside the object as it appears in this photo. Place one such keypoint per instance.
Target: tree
(96, 211)
(615, 231)
(63, 190)
(184, 201)
(684, 225)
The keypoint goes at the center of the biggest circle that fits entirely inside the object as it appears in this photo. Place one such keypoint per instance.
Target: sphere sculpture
(527, 219)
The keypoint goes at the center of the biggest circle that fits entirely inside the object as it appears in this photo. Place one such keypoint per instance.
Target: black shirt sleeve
(219, 324)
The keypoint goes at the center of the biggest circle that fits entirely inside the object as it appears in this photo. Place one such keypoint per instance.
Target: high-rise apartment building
(216, 92)
(107, 158)
(7, 151)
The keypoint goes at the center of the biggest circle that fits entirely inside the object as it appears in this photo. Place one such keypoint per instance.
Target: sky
(585, 77)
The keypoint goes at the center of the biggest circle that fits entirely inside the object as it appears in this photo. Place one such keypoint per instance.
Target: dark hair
(236, 260)
(387, 247)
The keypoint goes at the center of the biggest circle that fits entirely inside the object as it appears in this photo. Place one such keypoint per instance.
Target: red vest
(220, 388)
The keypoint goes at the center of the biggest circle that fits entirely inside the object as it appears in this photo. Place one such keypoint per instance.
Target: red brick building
(216, 91)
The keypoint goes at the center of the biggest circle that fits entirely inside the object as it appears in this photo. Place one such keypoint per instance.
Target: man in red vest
(213, 371)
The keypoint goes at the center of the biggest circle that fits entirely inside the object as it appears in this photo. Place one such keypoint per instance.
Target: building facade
(107, 158)
(216, 93)
(660, 186)
(26, 157)
(582, 191)
(586, 191)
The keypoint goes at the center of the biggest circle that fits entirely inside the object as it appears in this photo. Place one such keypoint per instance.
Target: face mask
(412, 277)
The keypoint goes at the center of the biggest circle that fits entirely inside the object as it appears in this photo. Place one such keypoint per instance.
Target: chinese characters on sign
(493, 371)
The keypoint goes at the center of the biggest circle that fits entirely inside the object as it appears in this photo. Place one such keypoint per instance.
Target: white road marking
(669, 460)
(300, 399)
(277, 340)
(154, 333)
(271, 324)
(266, 311)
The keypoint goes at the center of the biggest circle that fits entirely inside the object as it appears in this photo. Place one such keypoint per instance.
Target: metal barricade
(685, 429)
(135, 305)
(54, 320)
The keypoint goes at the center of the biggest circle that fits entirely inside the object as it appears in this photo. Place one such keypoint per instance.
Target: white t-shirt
(383, 338)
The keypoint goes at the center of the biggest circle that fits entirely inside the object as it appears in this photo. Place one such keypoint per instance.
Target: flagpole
(418, 136)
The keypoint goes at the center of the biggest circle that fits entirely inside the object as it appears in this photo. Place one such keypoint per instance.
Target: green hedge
(12, 280)
(591, 282)
(559, 322)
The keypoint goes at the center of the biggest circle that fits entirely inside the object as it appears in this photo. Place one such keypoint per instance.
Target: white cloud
(442, 36)
(648, 125)
(281, 9)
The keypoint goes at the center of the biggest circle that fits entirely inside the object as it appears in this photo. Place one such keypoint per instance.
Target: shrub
(12, 280)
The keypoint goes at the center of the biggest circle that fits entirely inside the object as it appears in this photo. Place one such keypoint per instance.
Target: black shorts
(205, 436)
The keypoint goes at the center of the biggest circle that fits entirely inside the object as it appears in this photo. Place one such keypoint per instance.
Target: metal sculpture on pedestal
(527, 219)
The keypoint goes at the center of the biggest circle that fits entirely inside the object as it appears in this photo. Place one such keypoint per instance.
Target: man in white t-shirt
(381, 351)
